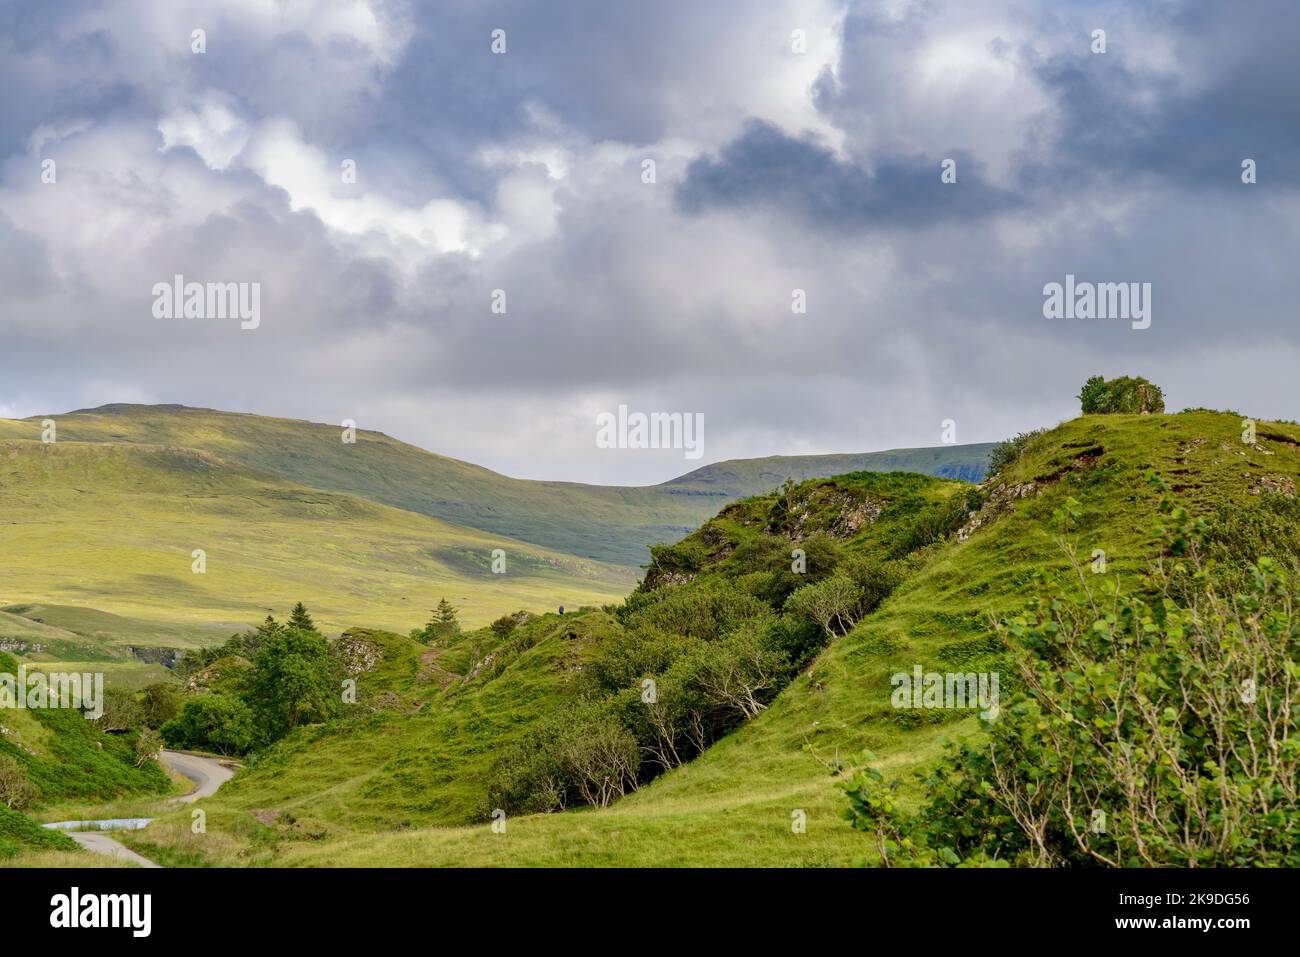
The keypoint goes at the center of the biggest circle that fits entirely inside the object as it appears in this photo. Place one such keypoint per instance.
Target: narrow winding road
(207, 775)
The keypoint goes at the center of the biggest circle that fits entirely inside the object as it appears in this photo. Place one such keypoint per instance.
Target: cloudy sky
(797, 144)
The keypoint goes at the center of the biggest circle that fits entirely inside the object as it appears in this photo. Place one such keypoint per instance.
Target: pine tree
(443, 624)
(300, 619)
(445, 616)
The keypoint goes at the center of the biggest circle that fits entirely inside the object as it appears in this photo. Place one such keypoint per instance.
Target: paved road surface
(207, 774)
(101, 843)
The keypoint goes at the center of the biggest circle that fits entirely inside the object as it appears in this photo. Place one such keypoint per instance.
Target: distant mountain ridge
(606, 523)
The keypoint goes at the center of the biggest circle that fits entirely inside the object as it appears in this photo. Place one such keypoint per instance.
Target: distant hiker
(561, 609)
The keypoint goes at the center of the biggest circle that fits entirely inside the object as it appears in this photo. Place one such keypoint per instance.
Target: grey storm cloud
(523, 172)
(764, 165)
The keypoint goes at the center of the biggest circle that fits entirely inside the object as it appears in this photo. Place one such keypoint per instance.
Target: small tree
(832, 604)
(442, 625)
(161, 702)
(299, 618)
(1127, 394)
(121, 711)
(16, 791)
(504, 625)
(294, 680)
(147, 746)
(215, 722)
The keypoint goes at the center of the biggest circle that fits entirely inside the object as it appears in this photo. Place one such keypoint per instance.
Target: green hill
(390, 787)
(604, 523)
(97, 542)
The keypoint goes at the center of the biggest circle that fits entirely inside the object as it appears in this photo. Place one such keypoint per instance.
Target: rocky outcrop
(999, 501)
(359, 655)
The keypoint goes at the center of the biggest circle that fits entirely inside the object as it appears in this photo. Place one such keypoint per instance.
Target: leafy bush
(1268, 526)
(1127, 394)
(20, 833)
(1008, 451)
(1153, 730)
(705, 610)
(931, 525)
(582, 755)
(767, 564)
(16, 789)
(295, 680)
(213, 722)
(836, 604)
(121, 711)
(160, 703)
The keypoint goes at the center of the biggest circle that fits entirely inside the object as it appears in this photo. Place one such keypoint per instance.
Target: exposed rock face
(998, 503)
(478, 667)
(838, 512)
(359, 655)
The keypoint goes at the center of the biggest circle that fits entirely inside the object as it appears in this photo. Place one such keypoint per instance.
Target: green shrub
(1147, 730)
(1008, 451)
(160, 703)
(935, 523)
(504, 625)
(16, 789)
(213, 722)
(19, 833)
(1126, 394)
(583, 755)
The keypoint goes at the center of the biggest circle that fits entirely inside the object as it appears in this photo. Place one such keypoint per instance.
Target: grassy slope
(67, 759)
(424, 759)
(96, 539)
(732, 806)
(600, 522)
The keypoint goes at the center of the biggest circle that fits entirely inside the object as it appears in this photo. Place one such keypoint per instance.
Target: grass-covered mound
(764, 793)
(20, 834)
